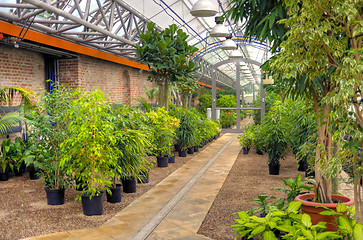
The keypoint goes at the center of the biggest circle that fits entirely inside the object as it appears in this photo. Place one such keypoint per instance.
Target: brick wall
(68, 72)
(120, 83)
(23, 68)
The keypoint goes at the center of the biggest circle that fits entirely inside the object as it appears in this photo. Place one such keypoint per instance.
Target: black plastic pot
(162, 161)
(172, 159)
(309, 172)
(301, 164)
(92, 206)
(196, 148)
(144, 177)
(115, 196)
(129, 185)
(258, 151)
(274, 169)
(190, 150)
(55, 196)
(4, 176)
(21, 169)
(245, 150)
(177, 147)
(182, 153)
(33, 174)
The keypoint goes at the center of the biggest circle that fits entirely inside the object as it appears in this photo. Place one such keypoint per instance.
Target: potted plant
(48, 130)
(131, 163)
(246, 139)
(258, 140)
(163, 127)
(6, 161)
(91, 152)
(275, 139)
(185, 133)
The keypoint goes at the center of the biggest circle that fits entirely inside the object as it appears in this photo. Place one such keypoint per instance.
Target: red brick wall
(122, 84)
(68, 72)
(22, 68)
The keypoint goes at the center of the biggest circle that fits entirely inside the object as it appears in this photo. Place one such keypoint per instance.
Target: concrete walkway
(173, 209)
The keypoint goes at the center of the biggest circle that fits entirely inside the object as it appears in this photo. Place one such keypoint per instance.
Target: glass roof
(166, 12)
(163, 13)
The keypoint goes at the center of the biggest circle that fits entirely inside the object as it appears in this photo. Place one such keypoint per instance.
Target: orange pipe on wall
(45, 39)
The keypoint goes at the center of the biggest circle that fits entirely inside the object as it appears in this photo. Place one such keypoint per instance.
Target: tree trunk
(323, 154)
(166, 94)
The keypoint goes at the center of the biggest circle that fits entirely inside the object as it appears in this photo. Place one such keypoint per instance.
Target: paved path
(174, 208)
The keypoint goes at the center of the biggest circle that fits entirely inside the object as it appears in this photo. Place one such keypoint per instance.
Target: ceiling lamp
(219, 30)
(235, 54)
(229, 44)
(204, 8)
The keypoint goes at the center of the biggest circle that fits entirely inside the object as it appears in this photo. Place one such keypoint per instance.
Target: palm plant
(7, 95)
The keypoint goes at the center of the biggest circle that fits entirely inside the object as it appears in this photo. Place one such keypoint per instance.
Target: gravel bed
(24, 211)
(247, 179)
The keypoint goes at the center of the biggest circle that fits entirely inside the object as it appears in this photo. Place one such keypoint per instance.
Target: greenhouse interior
(181, 119)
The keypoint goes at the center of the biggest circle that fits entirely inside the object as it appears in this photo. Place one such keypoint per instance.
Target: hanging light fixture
(235, 54)
(229, 44)
(204, 8)
(219, 30)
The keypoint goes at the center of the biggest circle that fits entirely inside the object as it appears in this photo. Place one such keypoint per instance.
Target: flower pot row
(94, 205)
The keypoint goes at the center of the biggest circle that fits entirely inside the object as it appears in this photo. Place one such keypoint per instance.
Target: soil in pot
(55, 196)
(274, 169)
(190, 150)
(172, 159)
(144, 177)
(182, 153)
(312, 209)
(92, 206)
(115, 196)
(129, 185)
(162, 161)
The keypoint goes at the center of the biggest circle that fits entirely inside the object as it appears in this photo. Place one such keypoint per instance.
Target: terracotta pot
(313, 211)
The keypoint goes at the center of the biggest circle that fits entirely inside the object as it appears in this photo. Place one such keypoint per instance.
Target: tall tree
(260, 19)
(322, 57)
(167, 54)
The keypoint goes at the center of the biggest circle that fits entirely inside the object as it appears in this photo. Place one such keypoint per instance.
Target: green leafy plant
(227, 118)
(205, 101)
(6, 152)
(273, 129)
(258, 139)
(163, 127)
(186, 132)
(132, 144)
(167, 53)
(48, 130)
(247, 137)
(264, 205)
(91, 153)
(295, 187)
(250, 226)
(345, 220)
(6, 97)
